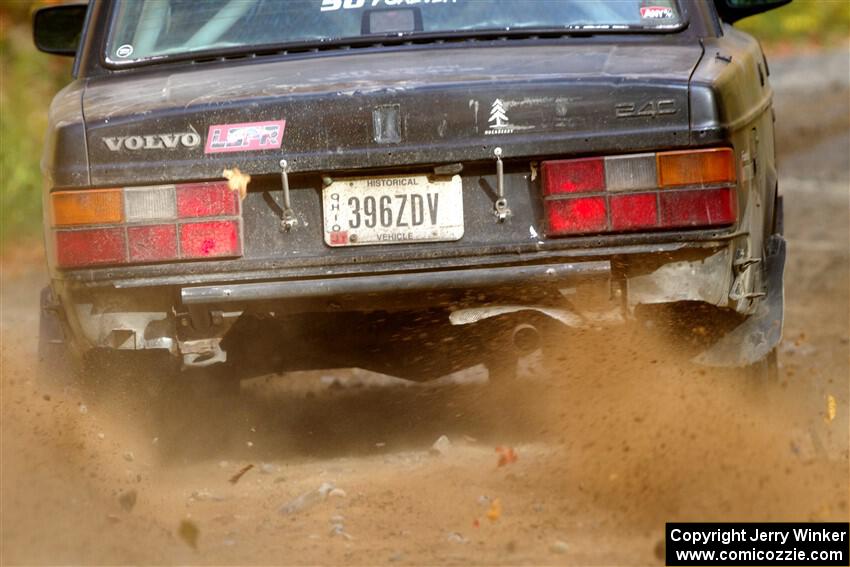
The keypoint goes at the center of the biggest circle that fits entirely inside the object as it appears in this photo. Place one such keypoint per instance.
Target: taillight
(651, 191)
(703, 167)
(700, 207)
(574, 176)
(634, 211)
(143, 204)
(135, 225)
(90, 247)
(207, 200)
(152, 243)
(97, 206)
(584, 214)
(210, 239)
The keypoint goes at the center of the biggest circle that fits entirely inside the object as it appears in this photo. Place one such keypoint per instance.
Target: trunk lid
(384, 109)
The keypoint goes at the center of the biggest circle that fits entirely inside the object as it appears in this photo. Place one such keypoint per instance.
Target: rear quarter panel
(732, 101)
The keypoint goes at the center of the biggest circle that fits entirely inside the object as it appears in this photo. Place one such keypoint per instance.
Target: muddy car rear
(428, 181)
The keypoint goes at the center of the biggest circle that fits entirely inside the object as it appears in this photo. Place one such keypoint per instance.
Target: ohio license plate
(392, 210)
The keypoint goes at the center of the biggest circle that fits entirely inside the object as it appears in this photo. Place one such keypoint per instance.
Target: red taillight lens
(573, 176)
(633, 212)
(210, 239)
(155, 243)
(580, 215)
(75, 248)
(648, 191)
(699, 207)
(146, 224)
(206, 200)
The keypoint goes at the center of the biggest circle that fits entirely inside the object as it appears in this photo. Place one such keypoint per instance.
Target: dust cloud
(612, 436)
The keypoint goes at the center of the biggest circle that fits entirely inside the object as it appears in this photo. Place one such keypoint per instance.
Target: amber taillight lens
(96, 206)
(696, 168)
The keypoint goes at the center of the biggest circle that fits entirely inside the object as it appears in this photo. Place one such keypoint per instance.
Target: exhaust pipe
(525, 338)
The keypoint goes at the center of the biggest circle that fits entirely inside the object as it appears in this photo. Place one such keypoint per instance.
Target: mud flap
(53, 356)
(760, 333)
(50, 332)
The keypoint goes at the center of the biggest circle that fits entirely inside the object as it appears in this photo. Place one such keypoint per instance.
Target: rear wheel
(130, 377)
(207, 383)
(56, 367)
(145, 381)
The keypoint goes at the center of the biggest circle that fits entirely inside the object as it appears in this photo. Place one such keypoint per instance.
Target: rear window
(147, 29)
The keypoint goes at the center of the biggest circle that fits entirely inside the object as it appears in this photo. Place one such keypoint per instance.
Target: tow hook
(501, 209)
(288, 221)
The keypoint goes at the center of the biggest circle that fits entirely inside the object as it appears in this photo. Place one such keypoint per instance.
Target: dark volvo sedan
(237, 187)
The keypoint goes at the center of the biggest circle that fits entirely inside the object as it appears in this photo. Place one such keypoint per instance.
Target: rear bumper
(191, 314)
(414, 282)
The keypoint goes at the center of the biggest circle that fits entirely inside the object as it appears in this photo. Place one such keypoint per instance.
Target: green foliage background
(29, 79)
(801, 23)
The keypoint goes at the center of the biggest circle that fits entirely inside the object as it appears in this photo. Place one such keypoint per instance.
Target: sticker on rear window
(124, 51)
(245, 137)
(657, 13)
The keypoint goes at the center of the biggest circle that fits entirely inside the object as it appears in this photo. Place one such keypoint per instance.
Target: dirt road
(620, 441)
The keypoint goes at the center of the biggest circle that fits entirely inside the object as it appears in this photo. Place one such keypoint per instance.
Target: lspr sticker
(656, 13)
(245, 137)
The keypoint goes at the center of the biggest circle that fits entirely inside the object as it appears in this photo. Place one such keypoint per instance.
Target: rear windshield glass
(144, 29)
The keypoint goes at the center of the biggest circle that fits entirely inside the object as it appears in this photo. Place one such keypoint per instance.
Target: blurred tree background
(29, 79)
(801, 24)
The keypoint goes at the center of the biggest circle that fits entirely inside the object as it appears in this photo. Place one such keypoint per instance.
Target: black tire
(189, 397)
(213, 382)
(152, 377)
(57, 369)
(130, 378)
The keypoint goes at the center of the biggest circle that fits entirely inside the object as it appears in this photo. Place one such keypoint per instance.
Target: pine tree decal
(497, 114)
